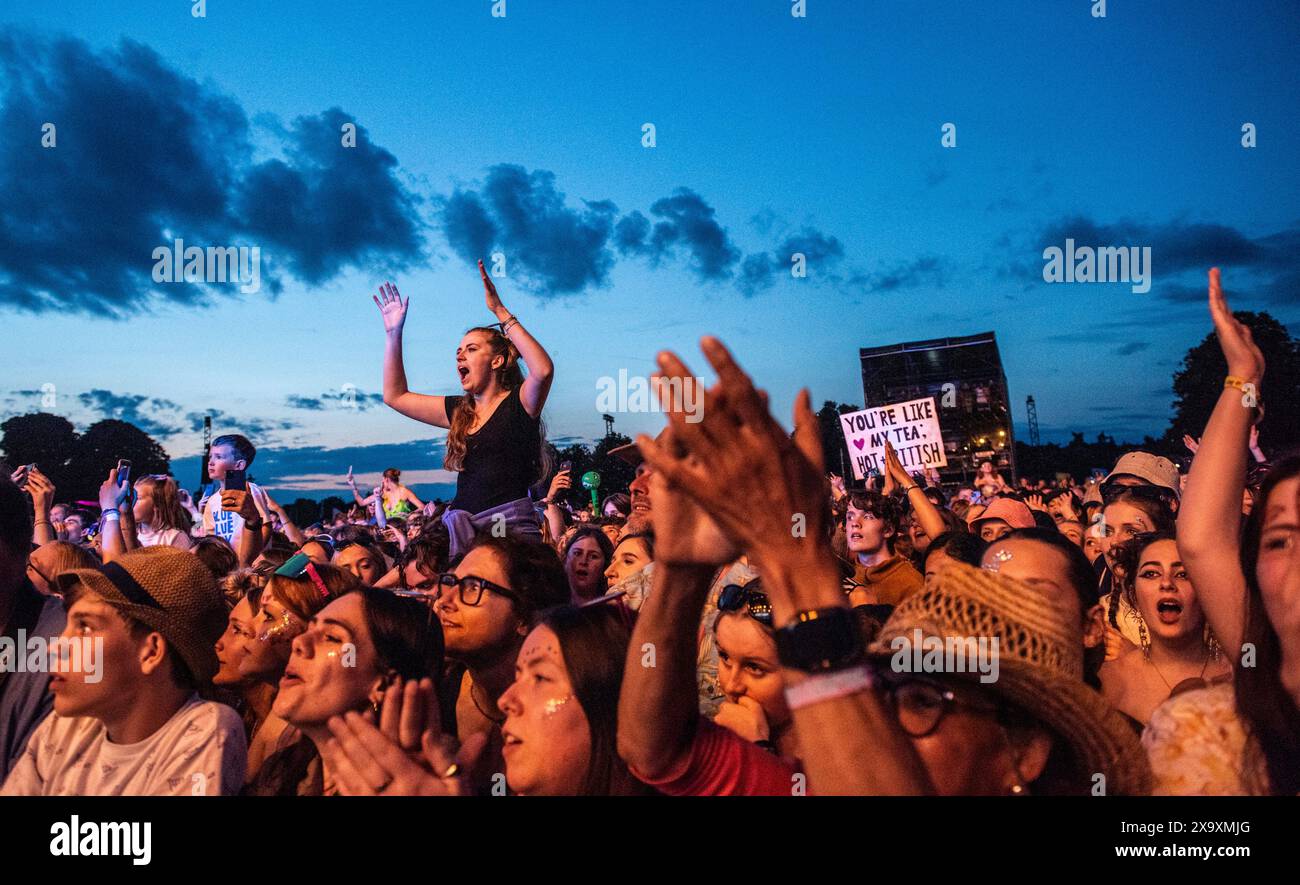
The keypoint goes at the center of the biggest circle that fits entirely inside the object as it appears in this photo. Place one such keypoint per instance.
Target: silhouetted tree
(98, 450)
(1200, 381)
(48, 441)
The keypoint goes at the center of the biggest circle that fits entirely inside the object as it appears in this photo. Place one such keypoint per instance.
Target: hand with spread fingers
(767, 491)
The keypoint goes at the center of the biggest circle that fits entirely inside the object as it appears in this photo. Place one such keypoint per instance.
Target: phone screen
(236, 481)
(123, 472)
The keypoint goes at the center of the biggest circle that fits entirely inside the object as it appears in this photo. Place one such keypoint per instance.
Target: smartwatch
(820, 639)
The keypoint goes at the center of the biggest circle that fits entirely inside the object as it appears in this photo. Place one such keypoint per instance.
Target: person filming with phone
(241, 504)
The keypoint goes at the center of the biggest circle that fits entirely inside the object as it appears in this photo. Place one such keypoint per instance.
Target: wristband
(1249, 388)
(828, 686)
(911, 488)
(43, 522)
(110, 514)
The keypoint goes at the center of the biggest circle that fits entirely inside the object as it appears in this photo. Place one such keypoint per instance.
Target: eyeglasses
(920, 704)
(734, 597)
(470, 589)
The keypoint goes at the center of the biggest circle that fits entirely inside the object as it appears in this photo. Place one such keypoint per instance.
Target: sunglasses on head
(1144, 493)
(734, 597)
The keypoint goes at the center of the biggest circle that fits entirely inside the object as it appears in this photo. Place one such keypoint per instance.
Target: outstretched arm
(922, 507)
(540, 368)
(1209, 519)
(421, 407)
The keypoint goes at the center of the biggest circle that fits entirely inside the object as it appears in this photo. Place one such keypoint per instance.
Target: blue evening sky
(1123, 130)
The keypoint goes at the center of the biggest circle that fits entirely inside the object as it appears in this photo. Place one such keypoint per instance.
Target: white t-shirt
(165, 538)
(227, 523)
(200, 751)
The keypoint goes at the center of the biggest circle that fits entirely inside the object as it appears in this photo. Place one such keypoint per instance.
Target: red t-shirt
(722, 763)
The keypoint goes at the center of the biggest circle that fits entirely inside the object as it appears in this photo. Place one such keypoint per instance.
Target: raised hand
(351, 482)
(490, 294)
(1245, 359)
(391, 307)
(559, 483)
(1191, 442)
(41, 490)
(745, 472)
(111, 494)
(1035, 502)
(897, 475)
(837, 487)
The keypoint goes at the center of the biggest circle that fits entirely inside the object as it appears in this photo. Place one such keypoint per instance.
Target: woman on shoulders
(496, 436)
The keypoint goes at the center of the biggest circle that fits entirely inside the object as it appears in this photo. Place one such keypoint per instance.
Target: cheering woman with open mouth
(497, 438)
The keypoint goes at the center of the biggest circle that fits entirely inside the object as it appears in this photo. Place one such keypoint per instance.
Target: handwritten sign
(912, 427)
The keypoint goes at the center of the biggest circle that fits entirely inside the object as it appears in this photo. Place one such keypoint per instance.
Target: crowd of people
(738, 622)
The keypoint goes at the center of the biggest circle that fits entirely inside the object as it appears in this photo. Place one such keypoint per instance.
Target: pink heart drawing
(859, 443)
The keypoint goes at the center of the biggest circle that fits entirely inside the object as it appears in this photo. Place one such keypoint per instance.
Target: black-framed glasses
(734, 597)
(920, 704)
(469, 589)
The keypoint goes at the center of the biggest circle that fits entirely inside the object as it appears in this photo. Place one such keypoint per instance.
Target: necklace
(473, 685)
(1200, 678)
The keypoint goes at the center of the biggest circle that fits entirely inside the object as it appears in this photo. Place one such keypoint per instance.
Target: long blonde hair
(167, 510)
(509, 376)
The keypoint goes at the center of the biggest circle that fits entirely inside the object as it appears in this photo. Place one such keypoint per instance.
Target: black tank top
(501, 459)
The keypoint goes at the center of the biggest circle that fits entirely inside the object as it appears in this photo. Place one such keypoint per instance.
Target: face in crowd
(333, 668)
(1121, 521)
(1166, 599)
(992, 529)
(476, 363)
(234, 644)
(360, 561)
(641, 518)
(1277, 573)
(104, 675)
(223, 458)
(865, 532)
(630, 556)
(584, 566)
(488, 628)
(748, 667)
(547, 737)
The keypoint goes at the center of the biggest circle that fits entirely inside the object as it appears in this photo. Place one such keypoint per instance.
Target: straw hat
(168, 590)
(1040, 664)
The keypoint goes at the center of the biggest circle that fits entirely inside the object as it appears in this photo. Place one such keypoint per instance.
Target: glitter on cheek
(279, 631)
(554, 704)
(995, 564)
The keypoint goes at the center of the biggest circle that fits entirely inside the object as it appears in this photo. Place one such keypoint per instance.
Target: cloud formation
(140, 154)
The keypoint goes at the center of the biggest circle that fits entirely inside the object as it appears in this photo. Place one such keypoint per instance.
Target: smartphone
(123, 472)
(236, 481)
(566, 465)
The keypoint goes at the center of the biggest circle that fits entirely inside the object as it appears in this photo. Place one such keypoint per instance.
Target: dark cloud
(223, 422)
(551, 248)
(1132, 347)
(156, 417)
(821, 254)
(1181, 252)
(330, 206)
(686, 221)
(145, 155)
(928, 270)
(346, 399)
